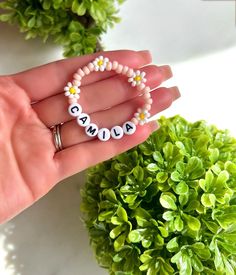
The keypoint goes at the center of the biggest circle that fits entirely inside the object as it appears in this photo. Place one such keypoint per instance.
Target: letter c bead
(104, 134)
(75, 109)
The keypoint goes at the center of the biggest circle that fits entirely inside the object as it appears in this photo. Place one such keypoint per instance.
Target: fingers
(72, 133)
(48, 80)
(98, 96)
(79, 157)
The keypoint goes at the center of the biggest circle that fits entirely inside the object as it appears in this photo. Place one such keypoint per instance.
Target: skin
(33, 101)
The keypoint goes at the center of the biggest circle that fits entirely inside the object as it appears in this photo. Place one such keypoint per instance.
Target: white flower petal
(67, 93)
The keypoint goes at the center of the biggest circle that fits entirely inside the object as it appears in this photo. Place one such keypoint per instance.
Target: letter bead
(104, 134)
(75, 109)
(83, 120)
(129, 128)
(117, 132)
(91, 130)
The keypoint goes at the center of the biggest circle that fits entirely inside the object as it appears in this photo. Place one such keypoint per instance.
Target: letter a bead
(104, 134)
(117, 132)
(91, 130)
(75, 109)
(129, 128)
(83, 120)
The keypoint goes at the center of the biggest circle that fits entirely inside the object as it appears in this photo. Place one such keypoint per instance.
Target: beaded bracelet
(136, 78)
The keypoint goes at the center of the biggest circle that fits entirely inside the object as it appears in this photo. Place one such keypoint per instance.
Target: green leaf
(178, 224)
(196, 263)
(162, 177)
(214, 155)
(167, 202)
(81, 9)
(192, 222)
(172, 245)
(138, 173)
(121, 213)
(208, 200)
(135, 236)
(222, 178)
(119, 242)
(152, 167)
(5, 17)
(168, 215)
(181, 188)
(31, 22)
(115, 232)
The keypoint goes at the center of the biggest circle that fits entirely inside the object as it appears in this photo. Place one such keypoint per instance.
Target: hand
(33, 101)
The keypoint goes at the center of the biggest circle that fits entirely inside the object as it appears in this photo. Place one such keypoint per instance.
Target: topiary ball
(167, 206)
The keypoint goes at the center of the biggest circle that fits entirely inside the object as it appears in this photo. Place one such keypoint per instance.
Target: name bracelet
(137, 80)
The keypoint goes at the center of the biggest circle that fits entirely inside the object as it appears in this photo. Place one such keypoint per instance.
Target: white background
(197, 38)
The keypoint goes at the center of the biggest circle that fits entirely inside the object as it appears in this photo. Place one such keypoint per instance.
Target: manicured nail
(166, 71)
(154, 125)
(175, 92)
(146, 55)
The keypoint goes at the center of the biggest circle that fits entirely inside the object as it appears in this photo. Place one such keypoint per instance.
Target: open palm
(33, 101)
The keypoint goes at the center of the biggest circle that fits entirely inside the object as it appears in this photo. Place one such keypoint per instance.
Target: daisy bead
(100, 63)
(72, 91)
(142, 116)
(137, 78)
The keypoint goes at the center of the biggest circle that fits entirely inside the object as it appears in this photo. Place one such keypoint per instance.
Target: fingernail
(154, 125)
(175, 92)
(166, 71)
(146, 54)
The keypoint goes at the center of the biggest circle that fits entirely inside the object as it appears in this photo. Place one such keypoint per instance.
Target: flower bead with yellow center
(72, 91)
(137, 78)
(100, 63)
(142, 116)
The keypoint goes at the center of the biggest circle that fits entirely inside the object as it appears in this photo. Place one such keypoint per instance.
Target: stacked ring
(135, 78)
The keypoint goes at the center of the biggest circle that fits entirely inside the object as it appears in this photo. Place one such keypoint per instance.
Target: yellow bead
(142, 116)
(100, 62)
(137, 78)
(72, 91)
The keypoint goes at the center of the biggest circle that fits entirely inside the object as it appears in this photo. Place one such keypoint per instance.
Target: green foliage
(167, 206)
(75, 24)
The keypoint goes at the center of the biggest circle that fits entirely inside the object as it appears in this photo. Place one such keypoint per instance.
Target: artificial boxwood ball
(167, 206)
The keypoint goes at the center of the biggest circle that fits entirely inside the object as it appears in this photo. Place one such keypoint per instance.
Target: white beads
(114, 65)
(104, 134)
(129, 128)
(81, 73)
(119, 68)
(86, 70)
(83, 120)
(136, 78)
(91, 130)
(72, 100)
(91, 67)
(117, 132)
(75, 109)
